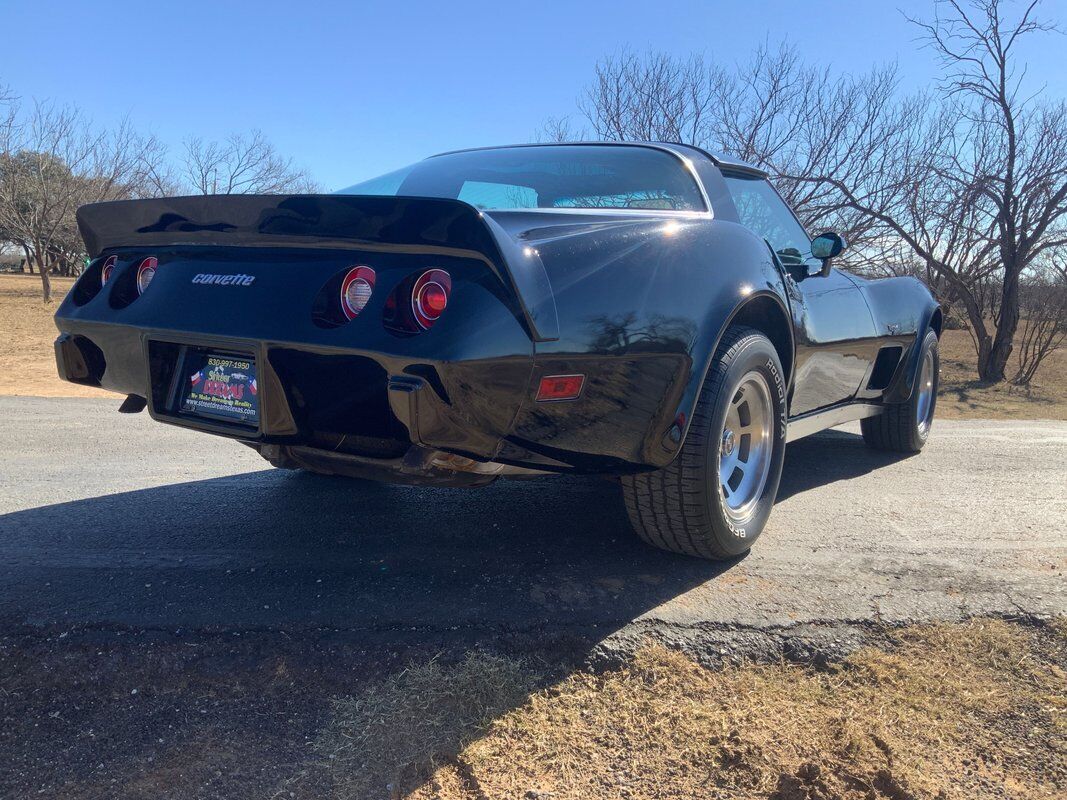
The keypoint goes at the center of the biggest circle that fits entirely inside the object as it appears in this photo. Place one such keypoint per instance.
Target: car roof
(719, 159)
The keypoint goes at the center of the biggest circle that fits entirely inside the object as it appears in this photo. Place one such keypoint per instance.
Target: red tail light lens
(429, 296)
(107, 269)
(560, 387)
(356, 290)
(146, 270)
(433, 299)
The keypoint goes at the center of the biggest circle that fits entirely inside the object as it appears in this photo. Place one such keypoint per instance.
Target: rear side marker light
(356, 290)
(146, 270)
(560, 387)
(107, 269)
(429, 296)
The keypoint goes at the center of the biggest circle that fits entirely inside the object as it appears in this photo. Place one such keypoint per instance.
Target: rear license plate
(221, 387)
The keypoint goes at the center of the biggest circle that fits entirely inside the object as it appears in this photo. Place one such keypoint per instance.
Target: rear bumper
(346, 402)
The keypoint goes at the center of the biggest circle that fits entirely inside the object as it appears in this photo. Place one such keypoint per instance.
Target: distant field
(962, 397)
(27, 365)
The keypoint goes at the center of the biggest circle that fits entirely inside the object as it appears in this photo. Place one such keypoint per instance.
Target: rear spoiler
(335, 221)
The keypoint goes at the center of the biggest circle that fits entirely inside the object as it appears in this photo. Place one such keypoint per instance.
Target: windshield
(557, 176)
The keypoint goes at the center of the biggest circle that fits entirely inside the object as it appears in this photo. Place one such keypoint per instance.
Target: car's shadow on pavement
(295, 550)
(289, 550)
(829, 457)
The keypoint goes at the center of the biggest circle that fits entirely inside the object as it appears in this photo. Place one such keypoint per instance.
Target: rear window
(563, 176)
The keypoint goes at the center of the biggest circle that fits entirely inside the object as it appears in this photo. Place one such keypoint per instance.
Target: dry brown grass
(963, 397)
(27, 360)
(946, 711)
(419, 717)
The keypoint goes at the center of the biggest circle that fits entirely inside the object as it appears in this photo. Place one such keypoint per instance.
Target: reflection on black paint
(619, 334)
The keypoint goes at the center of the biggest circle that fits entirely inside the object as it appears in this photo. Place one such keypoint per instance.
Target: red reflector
(560, 387)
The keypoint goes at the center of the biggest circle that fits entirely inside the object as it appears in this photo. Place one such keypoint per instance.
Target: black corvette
(647, 311)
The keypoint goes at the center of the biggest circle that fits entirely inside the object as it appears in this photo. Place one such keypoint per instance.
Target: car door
(833, 326)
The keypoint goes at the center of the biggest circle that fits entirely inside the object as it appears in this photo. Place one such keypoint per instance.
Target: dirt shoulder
(27, 360)
(27, 363)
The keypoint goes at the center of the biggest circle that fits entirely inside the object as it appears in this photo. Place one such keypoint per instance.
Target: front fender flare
(903, 382)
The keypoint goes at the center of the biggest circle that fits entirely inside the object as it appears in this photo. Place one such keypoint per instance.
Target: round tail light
(146, 270)
(356, 289)
(107, 269)
(429, 296)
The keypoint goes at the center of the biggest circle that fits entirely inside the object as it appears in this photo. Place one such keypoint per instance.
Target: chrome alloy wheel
(924, 407)
(745, 446)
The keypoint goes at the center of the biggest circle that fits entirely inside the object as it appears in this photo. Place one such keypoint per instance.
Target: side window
(764, 213)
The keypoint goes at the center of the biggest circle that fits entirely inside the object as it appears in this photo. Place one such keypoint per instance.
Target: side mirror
(825, 247)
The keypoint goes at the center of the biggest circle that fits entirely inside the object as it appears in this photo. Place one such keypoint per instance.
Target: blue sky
(354, 89)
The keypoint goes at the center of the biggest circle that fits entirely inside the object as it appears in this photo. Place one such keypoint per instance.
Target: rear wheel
(905, 427)
(714, 499)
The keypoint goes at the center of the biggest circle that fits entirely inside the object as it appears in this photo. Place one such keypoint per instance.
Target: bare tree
(1043, 298)
(52, 161)
(1019, 161)
(773, 111)
(127, 165)
(8, 105)
(559, 129)
(977, 185)
(241, 165)
(965, 187)
(798, 121)
(38, 192)
(651, 97)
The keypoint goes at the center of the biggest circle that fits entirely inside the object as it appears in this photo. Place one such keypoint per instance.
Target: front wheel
(714, 499)
(905, 427)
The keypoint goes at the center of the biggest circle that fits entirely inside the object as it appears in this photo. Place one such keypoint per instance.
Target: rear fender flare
(783, 340)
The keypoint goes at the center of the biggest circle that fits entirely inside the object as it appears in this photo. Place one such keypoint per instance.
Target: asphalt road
(112, 521)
